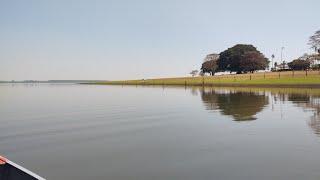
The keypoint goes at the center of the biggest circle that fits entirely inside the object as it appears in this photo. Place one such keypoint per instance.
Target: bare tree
(211, 57)
(194, 72)
(314, 41)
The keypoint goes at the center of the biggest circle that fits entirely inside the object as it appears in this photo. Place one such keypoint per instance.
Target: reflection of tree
(194, 91)
(299, 98)
(242, 106)
(308, 102)
(210, 99)
(314, 123)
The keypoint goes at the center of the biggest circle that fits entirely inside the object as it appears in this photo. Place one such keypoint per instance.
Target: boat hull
(12, 171)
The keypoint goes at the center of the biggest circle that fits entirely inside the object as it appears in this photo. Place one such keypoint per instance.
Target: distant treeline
(244, 58)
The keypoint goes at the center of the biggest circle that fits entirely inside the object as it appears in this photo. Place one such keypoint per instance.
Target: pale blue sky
(129, 39)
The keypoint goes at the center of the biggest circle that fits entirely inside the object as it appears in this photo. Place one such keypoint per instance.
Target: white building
(282, 66)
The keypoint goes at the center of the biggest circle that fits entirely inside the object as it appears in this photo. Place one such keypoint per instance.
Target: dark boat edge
(12, 171)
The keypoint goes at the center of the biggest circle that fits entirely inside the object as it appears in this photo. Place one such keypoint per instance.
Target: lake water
(70, 131)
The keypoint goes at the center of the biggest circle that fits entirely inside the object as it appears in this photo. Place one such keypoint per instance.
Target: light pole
(282, 48)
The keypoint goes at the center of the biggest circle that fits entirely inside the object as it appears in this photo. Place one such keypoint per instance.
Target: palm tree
(272, 57)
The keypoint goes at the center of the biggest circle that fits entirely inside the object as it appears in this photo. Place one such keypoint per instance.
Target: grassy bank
(270, 79)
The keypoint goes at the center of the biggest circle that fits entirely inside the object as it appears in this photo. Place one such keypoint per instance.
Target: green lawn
(299, 78)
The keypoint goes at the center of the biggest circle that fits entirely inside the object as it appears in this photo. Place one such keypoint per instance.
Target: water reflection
(242, 106)
(308, 102)
(124, 130)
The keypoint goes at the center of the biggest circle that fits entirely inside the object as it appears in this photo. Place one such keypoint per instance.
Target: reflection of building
(242, 106)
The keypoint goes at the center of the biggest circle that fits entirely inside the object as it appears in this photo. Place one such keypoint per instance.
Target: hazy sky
(128, 39)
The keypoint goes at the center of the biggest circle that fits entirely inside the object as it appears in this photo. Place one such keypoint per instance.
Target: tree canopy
(252, 61)
(299, 64)
(209, 67)
(242, 58)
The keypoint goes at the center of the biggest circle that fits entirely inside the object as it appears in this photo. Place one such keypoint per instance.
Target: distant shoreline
(298, 79)
(51, 81)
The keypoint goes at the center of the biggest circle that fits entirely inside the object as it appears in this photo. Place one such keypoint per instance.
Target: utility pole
(272, 65)
(282, 48)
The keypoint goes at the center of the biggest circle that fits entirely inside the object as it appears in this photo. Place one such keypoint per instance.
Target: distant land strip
(303, 79)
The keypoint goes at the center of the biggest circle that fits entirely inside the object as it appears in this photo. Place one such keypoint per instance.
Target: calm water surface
(69, 131)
